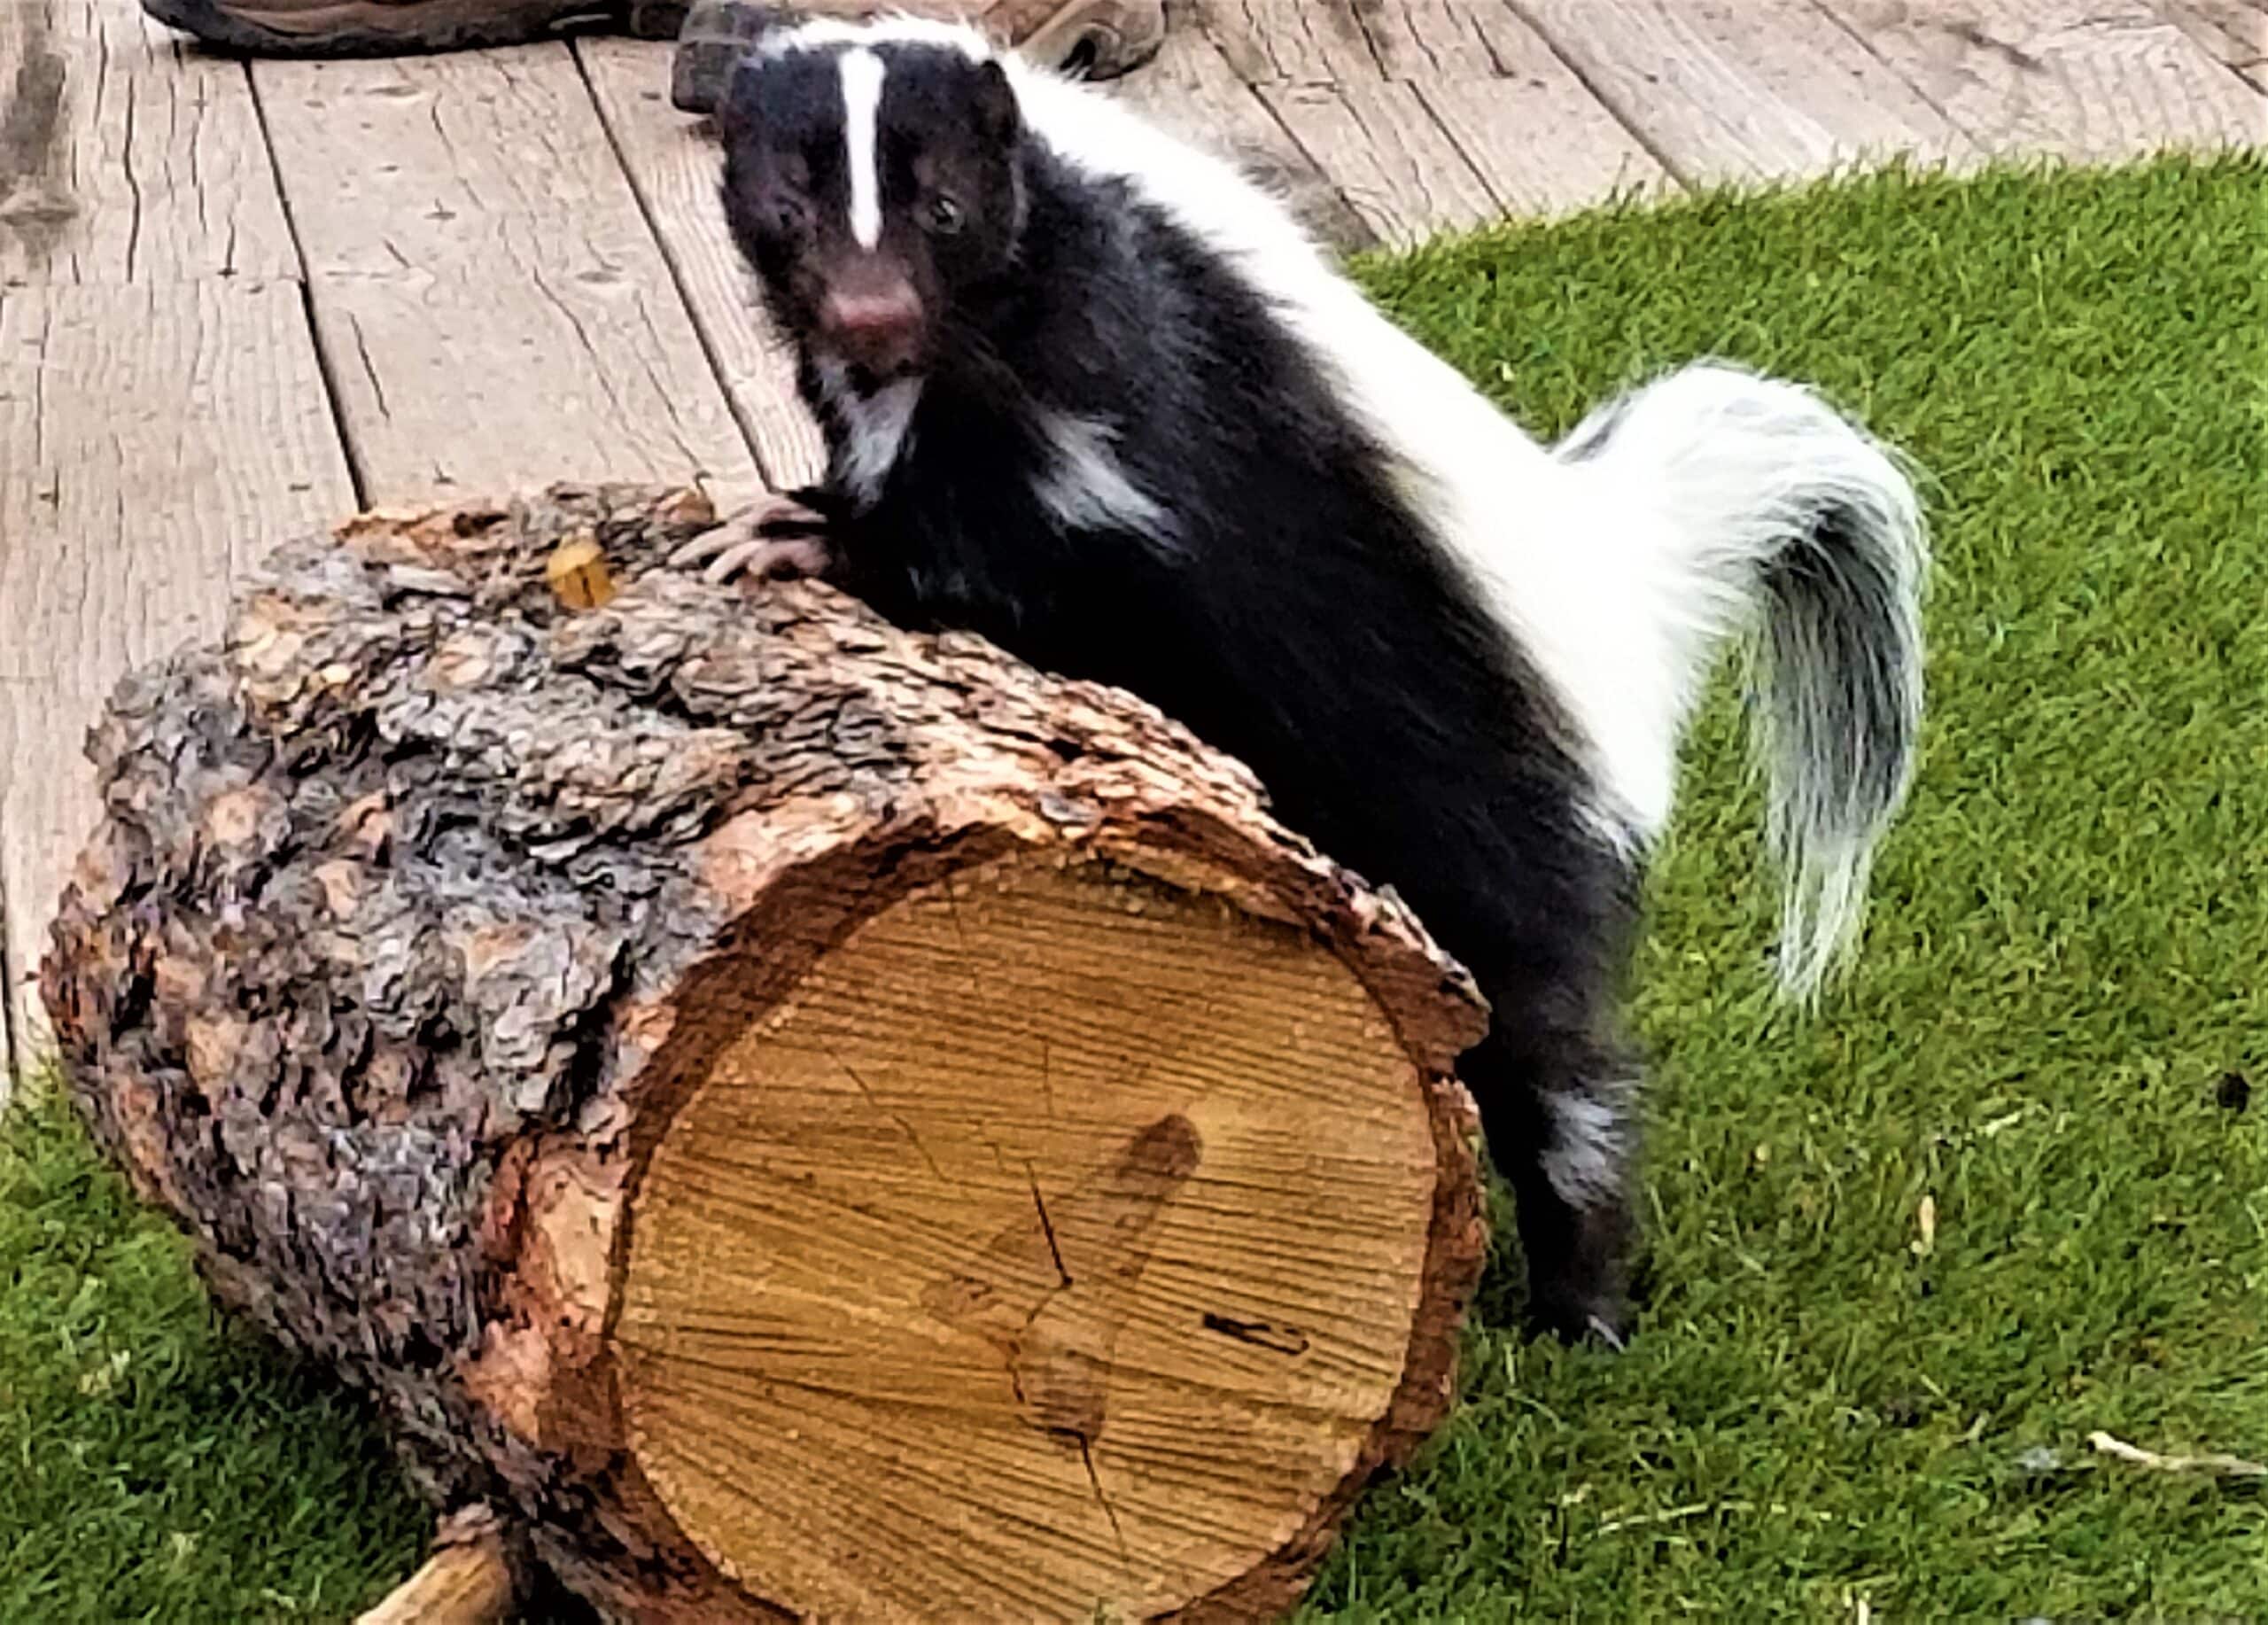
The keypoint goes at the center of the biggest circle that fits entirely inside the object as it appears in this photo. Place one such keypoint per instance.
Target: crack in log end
(1094, 1478)
(897, 1117)
(1259, 1333)
(1060, 1372)
(1054, 1249)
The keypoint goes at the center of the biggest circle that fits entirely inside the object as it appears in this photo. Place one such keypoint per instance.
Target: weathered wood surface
(781, 1110)
(1389, 157)
(124, 159)
(146, 433)
(1429, 115)
(1745, 90)
(159, 399)
(492, 302)
(2234, 32)
(1513, 109)
(1190, 87)
(2095, 81)
(674, 163)
(1543, 142)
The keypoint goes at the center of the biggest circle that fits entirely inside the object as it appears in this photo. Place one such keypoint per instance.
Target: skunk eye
(941, 215)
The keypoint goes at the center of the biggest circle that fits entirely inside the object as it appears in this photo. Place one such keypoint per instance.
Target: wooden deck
(237, 302)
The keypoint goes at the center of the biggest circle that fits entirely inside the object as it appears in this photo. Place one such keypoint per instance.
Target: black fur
(1295, 613)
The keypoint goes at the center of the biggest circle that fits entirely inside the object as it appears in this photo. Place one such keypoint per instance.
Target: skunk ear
(999, 118)
(756, 23)
(713, 47)
(737, 19)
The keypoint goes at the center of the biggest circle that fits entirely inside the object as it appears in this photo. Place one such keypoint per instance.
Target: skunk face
(876, 186)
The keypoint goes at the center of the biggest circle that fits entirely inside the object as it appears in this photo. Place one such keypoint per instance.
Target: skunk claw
(767, 558)
(774, 537)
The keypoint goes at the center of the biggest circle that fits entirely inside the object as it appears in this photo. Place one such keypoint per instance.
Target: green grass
(2069, 948)
(155, 1462)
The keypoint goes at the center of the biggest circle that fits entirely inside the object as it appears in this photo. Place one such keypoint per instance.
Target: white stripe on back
(862, 96)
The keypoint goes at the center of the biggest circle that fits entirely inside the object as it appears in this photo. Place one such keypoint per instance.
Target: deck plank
(1745, 90)
(1541, 152)
(155, 441)
(1388, 156)
(124, 158)
(1543, 142)
(674, 162)
(2233, 32)
(492, 305)
(1429, 115)
(162, 415)
(2096, 81)
(1435, 40)
(1189, 89)
(1288, 42)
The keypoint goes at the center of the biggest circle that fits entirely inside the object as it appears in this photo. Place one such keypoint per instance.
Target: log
(798, 1119)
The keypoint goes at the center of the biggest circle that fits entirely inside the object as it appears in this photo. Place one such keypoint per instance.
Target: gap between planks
(488, 293)
(155, 439)
(2088, 81)
(2233, 32)
(674, 165)
(1433, 115)
(157, 374)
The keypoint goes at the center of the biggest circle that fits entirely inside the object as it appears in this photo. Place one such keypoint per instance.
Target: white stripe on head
(862, 97)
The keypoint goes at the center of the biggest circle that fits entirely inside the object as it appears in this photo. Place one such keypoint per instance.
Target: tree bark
(800, 1119)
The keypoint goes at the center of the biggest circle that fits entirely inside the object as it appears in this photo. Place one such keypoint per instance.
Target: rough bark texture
(421, 904)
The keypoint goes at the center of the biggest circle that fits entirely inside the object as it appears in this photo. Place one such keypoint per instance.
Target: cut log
(798, 1118)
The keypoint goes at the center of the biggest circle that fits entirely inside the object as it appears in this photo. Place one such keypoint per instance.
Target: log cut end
(1058, 1239)
(800, 1119)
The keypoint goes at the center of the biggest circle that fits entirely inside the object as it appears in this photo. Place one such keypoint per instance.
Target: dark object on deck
(330, 29)
(1099, 38)
(783, 1113)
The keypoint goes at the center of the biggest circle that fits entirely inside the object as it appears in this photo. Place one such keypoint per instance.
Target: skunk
(1093, 394)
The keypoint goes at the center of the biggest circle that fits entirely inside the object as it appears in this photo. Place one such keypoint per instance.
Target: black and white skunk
(1093, 394)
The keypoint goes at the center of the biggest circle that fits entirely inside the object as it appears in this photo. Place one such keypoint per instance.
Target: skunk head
(873, 180)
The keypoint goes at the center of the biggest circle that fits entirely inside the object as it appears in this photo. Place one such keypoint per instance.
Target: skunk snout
(877, 328)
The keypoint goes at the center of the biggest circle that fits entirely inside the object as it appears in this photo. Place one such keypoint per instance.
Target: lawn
(2063, 991)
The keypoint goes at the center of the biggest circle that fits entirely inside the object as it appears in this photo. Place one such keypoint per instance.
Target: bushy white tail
(1775, 514)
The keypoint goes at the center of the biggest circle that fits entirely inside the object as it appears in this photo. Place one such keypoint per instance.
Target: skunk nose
(879, 329)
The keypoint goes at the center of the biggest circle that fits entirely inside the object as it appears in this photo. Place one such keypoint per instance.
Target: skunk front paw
(776, 537)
